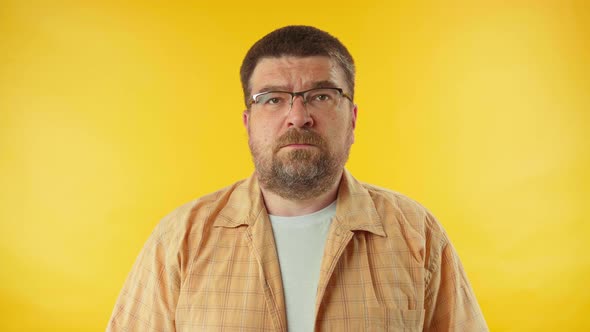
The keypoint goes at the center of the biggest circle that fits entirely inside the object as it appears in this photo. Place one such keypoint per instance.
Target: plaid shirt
(212, 264)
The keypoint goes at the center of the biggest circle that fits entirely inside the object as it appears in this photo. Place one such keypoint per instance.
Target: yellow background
(112, 114)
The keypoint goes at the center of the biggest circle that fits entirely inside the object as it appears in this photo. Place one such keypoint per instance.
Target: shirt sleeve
(148, 299)
(450, 302)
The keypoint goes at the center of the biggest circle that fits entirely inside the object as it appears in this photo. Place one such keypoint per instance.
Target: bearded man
(301, 245)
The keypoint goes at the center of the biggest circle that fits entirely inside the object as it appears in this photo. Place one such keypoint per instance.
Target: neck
(280, 206)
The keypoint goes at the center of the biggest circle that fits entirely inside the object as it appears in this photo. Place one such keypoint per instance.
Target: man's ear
(353, 123)
(245, 118)
(354, 111)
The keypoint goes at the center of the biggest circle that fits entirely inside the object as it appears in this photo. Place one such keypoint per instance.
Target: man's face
(299, 153)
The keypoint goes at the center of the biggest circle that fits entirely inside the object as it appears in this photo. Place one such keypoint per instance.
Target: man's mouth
(294, 140)
(298, 145)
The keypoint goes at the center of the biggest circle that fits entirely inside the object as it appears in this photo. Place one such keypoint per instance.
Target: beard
(299, 174)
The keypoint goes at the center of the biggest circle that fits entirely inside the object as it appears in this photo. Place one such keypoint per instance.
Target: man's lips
(297, 145)
(299, 139)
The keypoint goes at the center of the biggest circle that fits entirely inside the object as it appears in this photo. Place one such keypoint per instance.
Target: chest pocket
(394, 320)
(376, 319)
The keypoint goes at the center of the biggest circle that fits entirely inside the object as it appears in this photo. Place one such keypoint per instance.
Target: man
(301, 244)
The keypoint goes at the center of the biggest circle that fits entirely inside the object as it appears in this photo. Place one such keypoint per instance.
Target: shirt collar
(355, 210)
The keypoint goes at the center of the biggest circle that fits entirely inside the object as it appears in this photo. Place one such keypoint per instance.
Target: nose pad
(293, 101)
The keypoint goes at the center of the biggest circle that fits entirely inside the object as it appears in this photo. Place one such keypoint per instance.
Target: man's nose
(299, 115)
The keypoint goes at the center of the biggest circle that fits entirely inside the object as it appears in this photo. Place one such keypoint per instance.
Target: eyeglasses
(320, 99)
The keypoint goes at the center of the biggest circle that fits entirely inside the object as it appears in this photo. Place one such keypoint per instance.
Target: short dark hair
(300, 41)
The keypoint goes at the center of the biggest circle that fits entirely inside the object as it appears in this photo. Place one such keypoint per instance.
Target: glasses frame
(299, 93)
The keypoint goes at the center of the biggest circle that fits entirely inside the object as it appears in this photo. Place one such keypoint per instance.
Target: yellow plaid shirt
(212, 265)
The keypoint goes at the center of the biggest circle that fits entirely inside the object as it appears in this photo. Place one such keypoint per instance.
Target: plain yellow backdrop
(112, 114)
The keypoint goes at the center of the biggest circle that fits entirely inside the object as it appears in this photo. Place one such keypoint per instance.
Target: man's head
(300, 116)
(297, 41)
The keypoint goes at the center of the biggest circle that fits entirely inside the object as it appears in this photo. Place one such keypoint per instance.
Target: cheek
(338, 129)
(260, 133)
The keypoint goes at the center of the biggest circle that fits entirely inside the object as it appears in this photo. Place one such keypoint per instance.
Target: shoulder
(410, 210)
(393, 199)
(190, 218)
(408, 218)
(407, 222)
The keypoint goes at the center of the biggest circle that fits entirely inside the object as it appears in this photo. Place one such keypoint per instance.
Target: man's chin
(300, 158)
(299, 168)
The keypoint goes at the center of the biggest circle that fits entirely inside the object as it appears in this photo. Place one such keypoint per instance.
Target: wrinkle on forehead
(289, 73)
(313, 85)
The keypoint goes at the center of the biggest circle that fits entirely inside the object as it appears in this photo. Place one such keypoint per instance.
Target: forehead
(294, 73)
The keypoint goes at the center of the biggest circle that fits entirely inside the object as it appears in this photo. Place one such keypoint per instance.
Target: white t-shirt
(300, 244)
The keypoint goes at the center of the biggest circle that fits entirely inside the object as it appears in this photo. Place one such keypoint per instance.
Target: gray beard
(299, 174)
(300, 177)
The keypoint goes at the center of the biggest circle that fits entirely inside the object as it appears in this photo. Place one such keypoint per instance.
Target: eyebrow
(318, 84)
(325, 84)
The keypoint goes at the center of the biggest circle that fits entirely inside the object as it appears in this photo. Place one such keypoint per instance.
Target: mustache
(298, 136)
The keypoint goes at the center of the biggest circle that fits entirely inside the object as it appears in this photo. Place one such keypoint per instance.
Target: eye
(321, 97)
(273, 99)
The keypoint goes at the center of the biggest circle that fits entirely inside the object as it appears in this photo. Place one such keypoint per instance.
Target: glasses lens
(322, 99)
(273, 100)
